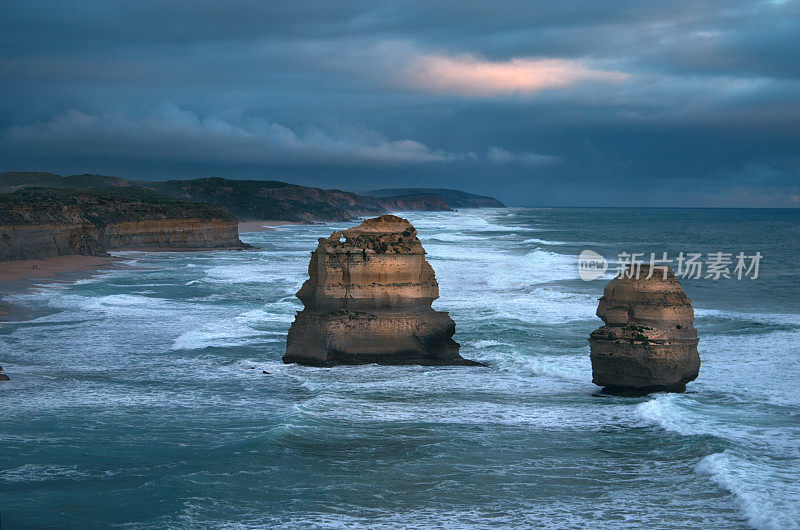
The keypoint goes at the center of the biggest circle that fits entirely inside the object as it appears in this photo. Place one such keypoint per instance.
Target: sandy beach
(18, 271)
(262, 226)
(19, 275)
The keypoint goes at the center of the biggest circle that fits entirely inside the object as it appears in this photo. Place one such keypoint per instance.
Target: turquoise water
(137, 397)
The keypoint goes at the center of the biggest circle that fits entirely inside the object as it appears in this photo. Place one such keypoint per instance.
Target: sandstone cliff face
(46, 223)
(420, 202)
(648, 342)
(368, 300)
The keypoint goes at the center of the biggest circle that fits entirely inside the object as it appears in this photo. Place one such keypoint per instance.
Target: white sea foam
(747, 427)
(547, 305)
(451, 238)
(489, 344)
(118, 303)
(768, 494)
(665, 410)
(500, 270)
(546, 242)
(61, 297)
(682, 414)
(481, 413)
(763, 318)
(576, 369)
(253, 272)
(255, 326)
(223, 338)
(40, 473)
(238, 331)
(747, 364)
(469, 223)
(201, 335)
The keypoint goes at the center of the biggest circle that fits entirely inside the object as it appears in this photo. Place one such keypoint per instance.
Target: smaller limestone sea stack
(648, 343)
(368, 300)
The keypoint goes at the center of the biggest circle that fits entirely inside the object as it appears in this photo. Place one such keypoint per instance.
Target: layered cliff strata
(43, 223)
(259, 200)
(368, 300)
(648, 342)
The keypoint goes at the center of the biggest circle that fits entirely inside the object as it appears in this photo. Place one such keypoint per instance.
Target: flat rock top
(386, 224)
(655, 289)
(387, 234)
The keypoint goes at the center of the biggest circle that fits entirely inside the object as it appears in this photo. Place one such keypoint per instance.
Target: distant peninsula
(454, 198)
(45, 215)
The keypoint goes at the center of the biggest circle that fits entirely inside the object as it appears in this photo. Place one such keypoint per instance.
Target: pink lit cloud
(468, 75)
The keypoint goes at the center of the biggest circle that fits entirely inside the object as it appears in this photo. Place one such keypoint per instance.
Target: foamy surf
(767, 493)
(161, 366)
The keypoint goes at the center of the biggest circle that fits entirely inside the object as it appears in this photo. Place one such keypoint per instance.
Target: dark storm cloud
(651, 103)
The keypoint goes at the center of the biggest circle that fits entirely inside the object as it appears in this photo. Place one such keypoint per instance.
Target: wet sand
(19, 271)
(19, 275)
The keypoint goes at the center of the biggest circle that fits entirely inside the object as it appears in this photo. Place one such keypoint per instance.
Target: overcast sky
(568, 103)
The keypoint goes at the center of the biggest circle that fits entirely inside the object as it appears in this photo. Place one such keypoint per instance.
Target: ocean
(138, 397)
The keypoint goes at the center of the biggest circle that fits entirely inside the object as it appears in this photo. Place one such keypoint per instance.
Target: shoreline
(21, 275)
(49, 269)
(263, 226)
(18, 276)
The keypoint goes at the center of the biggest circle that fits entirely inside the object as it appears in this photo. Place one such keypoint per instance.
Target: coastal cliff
(648, 342)
(258, 200)
(419, 202)
(38, 223)
(454, 198)
(368, 300)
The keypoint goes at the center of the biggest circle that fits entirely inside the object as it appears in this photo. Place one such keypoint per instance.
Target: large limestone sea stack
(648, 343)
(368, 300)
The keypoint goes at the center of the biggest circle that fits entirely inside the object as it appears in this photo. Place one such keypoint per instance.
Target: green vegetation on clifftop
(104, 206)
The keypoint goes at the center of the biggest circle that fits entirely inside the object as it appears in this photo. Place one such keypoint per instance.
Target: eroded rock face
(368, 300)
(648, 342)
(39, 224)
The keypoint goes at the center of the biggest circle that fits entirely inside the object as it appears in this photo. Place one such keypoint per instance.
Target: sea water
(138, 396)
